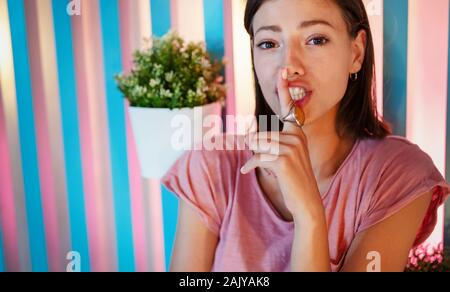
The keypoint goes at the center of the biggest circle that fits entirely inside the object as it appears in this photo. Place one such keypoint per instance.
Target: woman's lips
(302, 102)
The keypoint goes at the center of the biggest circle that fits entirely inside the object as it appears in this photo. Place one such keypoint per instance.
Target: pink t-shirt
(377, 179)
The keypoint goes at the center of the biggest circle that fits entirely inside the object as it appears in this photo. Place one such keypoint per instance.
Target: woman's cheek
(266, 73)
(333, 92)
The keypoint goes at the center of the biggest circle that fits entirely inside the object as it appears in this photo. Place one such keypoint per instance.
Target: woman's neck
(327, 150)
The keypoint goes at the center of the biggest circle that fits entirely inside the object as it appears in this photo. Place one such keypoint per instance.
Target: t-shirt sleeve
(192, 180)
(404, 178)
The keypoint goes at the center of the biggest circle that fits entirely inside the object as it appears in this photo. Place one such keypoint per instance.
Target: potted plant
(429, 258)
(172, 87)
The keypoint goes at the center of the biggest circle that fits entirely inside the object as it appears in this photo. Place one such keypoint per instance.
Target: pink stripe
(375, 12)
(126, 28)
(101, 139)
(85, 140)
(229, 57)
(428, 84)
(7, 206)
(140, 247)
(157, 229)
(43, 140)
(94, 137)
(173, 13)
(91, 162)
(139, 231)
(153, 193)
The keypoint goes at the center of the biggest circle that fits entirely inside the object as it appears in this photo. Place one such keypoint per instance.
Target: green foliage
(172, 74)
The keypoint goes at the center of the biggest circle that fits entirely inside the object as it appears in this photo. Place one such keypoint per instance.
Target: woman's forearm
(310, 251)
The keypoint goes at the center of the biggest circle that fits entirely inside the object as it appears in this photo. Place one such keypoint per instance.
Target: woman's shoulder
(390, 142)
(392, 148)
(399, 171)
(395, 156)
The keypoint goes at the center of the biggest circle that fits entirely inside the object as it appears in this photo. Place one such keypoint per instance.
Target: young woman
(328, 193)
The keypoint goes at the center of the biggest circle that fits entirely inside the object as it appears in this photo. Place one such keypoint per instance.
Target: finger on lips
(266, 145)
(283, 92)
(286, 101)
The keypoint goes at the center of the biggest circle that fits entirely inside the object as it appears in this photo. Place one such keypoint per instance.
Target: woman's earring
(354, 77)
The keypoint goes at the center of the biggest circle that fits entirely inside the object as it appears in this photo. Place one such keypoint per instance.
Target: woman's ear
(358, 51)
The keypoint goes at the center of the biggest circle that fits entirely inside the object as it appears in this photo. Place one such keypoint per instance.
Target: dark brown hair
(357, 116)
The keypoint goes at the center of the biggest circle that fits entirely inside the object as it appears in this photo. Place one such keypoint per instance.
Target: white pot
(162, 135)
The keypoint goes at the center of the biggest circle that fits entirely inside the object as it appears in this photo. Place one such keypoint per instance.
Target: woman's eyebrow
(304, 24)
(274, 28)
(308, 23)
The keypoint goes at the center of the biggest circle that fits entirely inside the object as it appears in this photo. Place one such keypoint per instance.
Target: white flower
(154, 83)
(201, 82)
(169, 76)
(138, 91)
(165, 93)
(176, 44)
(206, 63)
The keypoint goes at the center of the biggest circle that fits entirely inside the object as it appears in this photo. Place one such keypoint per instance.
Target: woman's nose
(293, 60)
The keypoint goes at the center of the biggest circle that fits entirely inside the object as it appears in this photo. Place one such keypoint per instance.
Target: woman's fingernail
(284, 74)
(243, 170)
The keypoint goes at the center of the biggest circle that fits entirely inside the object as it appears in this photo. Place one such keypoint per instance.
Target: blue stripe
(395, 63)
(71, 135)
(117, 133)
(2, 258)
(170, 217)
(27, 136)
(214, 32)
(214, 28)
(160, 10)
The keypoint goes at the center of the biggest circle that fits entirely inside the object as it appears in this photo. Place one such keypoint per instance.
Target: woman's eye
(318, 41)
(266, 45)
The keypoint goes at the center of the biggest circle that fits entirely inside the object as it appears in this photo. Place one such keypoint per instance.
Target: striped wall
(69, 173)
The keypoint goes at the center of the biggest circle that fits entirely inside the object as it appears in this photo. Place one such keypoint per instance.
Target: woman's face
(309, 37)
